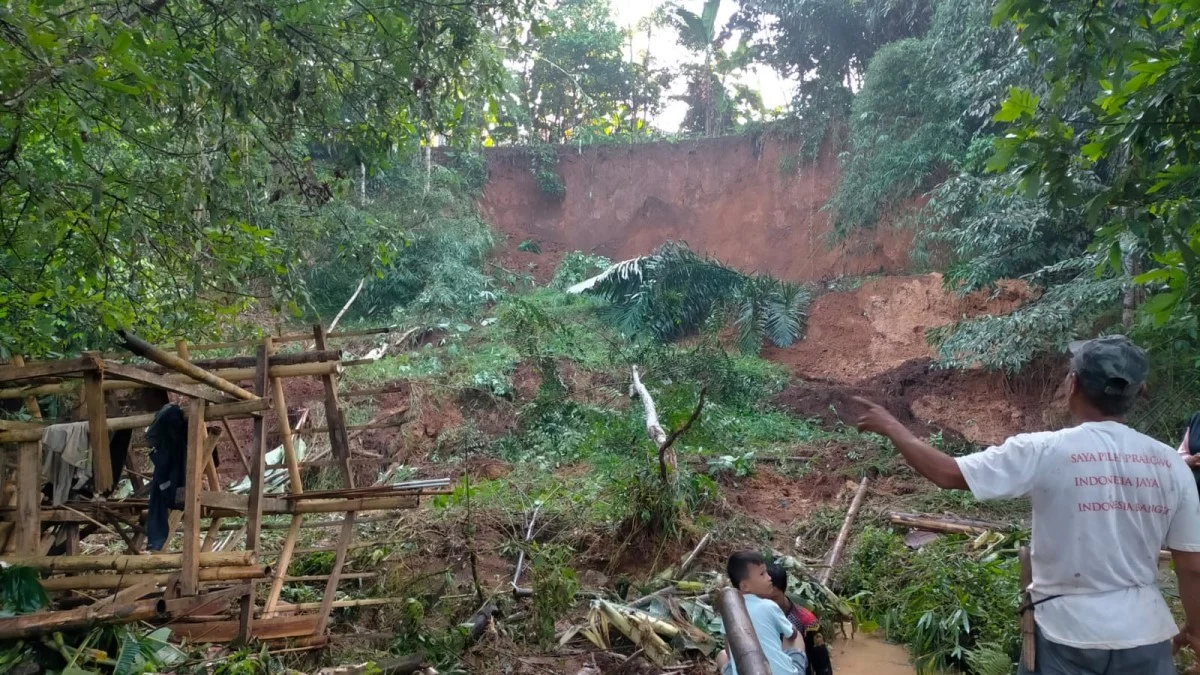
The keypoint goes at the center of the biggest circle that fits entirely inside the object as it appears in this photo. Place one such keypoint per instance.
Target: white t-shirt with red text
(1106, 499)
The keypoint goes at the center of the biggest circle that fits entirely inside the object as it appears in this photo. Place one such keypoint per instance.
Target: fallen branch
(944, 524)
(844, 535)
(521, 556)
(667, 462)
(333, 324)
(480, 621)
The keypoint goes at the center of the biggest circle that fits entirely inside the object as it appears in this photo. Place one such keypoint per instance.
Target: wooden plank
(254, 507)
(236, 409)
(292, 337)
(189, 578)
(97, 416)
(144, 349)
(339, 440)
(282, 563)
(134, 374)
(15, 373)
(29, 499)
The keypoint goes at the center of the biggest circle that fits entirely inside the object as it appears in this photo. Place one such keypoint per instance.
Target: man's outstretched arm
(928, 461)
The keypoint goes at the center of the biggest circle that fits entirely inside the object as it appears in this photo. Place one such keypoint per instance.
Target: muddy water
(869, 655)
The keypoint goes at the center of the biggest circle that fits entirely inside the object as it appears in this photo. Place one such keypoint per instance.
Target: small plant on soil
(554, 586)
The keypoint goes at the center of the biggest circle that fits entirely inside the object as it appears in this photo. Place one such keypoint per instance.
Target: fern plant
(674, 292)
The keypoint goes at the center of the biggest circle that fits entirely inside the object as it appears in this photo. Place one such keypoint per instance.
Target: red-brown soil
(724, 196)
(871, 342)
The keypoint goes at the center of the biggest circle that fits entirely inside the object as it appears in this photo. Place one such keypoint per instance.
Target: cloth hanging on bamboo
(66, 459)
(167, 434)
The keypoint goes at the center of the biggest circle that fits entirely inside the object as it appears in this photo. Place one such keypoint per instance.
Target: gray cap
(1111, 365)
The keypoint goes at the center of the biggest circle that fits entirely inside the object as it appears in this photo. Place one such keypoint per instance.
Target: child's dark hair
(778, 576)
(739, 566)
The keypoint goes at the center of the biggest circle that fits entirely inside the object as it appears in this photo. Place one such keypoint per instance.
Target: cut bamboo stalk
(109, 581)
(339, 604)
(744, 647)
(237, 409)
(285, 431)
(242, 362)
(233, 375)
(840, 545)
(155, 380)
(146, 350)
(343, 544)
(283, 562)
(944, 524)
(126, 563)
(233, 526)
(291, 337)
(236, 445)
(97, 416)
(345, 576)
(254, 505)
(28, 625)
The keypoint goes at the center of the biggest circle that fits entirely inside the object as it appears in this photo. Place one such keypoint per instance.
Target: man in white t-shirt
(1105, 499)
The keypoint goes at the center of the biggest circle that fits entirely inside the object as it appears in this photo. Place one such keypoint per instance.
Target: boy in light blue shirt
(782, 644)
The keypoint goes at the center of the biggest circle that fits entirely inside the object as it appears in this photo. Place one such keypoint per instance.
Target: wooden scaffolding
(207, 595)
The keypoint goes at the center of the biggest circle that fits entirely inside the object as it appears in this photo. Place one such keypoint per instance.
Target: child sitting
(781, 643)
(805, 621)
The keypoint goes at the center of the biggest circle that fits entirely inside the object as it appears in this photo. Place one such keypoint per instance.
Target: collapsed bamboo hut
(207, 593)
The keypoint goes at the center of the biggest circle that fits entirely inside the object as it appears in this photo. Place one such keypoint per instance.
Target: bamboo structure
(211, 592)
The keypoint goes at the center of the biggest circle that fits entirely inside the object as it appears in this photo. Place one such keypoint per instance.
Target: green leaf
(1020, 103)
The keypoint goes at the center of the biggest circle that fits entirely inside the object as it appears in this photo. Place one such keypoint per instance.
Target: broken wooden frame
(186, 579)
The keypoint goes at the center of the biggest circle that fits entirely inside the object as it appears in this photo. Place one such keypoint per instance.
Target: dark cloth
(1193, 443)
(1056, 659)
(819, 662)
(167, 434)
(118, 450)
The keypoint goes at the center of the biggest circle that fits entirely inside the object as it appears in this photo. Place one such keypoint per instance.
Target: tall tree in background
(698, 32)
(155, 170)
(574, 78)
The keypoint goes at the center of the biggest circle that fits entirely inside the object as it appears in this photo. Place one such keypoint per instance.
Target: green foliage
(543, 162)
(436, 275)
(554, 586)
(942, 600)
(244, 662)
(529, 246)
(158, 170)
(21, 591)
(577, 266)
(740, 466)
(472, 167)
(903, 126)
(311, 564)
(572, 82)
(675, 292)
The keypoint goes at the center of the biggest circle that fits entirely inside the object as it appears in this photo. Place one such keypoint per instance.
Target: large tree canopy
(156, 163)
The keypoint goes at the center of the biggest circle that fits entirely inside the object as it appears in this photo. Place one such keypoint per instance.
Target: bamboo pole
(292, 337)
(345, 576)
(944, 524)
(338, 604)
(744, 647)
(240, 362)
(281, 566)
(285, 430)
(126, 563)
(237, 409)
(343, 543)
(109, 581)
(233, 375)
(844, 535)
(180, 365)
(29, 498)
(404, 501)
(339, 441)
(28, 625)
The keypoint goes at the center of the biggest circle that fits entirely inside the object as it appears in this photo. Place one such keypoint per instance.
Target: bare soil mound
(879, 326)
(871, 342)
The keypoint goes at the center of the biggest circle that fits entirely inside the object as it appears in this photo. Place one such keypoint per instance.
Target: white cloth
(1106, 499)
(66, 459)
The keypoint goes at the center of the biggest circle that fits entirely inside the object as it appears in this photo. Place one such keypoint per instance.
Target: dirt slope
(871, 342)
(725, 196)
